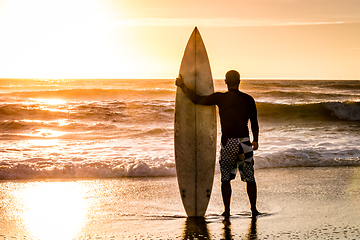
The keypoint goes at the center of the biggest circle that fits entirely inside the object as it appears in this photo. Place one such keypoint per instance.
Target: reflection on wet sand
(252, 231)
(196, 228)
(44, 209)
(227, 229)
(250, 235)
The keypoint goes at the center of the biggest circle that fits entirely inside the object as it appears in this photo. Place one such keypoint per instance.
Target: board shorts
(237, 154)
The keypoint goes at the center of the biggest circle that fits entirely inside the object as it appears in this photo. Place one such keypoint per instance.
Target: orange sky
(299, 39)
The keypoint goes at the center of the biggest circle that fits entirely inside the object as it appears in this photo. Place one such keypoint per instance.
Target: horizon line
(266, 79)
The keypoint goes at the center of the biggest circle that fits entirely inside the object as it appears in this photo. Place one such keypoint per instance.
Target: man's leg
(252, 194)
(226, 195)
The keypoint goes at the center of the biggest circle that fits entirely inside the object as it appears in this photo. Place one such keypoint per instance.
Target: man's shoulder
(217, 94)
(246, 95)
(242, 94)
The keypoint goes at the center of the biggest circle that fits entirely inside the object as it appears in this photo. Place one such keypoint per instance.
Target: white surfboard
(195, 130)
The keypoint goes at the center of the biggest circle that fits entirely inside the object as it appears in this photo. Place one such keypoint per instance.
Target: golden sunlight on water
(53, 210)
(47, 133)
(49, 101)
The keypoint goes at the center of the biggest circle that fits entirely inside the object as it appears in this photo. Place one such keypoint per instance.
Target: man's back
(235, 109)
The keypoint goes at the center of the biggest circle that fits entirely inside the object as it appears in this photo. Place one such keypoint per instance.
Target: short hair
(232, 78)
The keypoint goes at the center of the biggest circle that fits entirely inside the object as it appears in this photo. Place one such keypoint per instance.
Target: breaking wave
(314, 111)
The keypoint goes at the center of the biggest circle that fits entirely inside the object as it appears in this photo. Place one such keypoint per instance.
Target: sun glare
(54, 210)
(49, 101)
(47, 133)
(61, 36)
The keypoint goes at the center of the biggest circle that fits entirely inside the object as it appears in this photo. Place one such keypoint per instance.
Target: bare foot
(226, 214)
(255, 213)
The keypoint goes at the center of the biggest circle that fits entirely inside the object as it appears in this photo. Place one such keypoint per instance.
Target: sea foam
(41, 168)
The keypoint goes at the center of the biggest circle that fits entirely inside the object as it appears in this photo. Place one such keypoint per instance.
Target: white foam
(38, 168)
(306, 157)
(41, 168)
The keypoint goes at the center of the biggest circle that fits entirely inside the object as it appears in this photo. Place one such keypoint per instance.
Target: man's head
(232, 78)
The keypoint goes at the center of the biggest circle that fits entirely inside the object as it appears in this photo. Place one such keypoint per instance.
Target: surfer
(235, 110)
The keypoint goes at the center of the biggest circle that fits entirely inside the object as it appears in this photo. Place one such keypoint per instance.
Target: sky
(262, 39)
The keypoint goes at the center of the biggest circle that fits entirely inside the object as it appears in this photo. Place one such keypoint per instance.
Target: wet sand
(299, 203)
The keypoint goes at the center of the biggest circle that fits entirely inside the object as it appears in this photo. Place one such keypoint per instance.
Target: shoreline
(217, 172)
(306, 202)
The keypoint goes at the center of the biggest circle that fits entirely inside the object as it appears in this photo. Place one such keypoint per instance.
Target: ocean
(116, 128)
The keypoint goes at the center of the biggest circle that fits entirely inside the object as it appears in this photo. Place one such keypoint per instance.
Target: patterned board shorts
(237, 154)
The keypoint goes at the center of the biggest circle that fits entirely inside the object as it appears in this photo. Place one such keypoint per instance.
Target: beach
(94, 159)
(298, 203)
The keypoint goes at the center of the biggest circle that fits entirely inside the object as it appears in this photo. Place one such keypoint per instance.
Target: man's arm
(197, 99)
(254, 126)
